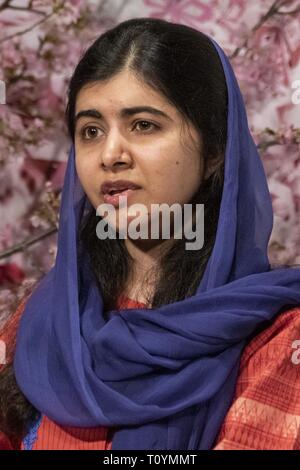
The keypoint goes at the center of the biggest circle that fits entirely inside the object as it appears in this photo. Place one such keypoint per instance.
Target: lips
(115, 187)
(115, 199)
(117, 191)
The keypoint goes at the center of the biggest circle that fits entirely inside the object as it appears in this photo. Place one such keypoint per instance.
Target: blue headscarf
(164, 377)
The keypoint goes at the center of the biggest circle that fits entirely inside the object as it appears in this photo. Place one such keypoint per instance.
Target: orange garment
(265, 412)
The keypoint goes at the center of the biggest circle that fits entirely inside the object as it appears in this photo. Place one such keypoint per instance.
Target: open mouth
(114, 196)
(116, 191)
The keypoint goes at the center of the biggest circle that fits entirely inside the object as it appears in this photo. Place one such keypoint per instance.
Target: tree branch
(30, 10)
(26, 243)
(20, 33)
(273, 10)
(4, 5)
(30, 28)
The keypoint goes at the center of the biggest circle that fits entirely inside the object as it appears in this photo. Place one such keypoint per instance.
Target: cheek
(83, 166)
(167, 182)
(85, 174)
(178, 181)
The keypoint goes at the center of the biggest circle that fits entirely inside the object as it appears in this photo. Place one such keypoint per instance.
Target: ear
(212, 166)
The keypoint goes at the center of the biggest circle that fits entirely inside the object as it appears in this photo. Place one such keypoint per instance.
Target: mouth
(112, 192)
(113, 196)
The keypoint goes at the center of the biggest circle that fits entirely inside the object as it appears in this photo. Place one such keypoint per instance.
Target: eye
(90, 132)
(92, 135)
(154, 126)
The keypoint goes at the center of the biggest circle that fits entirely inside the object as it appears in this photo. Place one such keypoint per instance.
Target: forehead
(123, 90)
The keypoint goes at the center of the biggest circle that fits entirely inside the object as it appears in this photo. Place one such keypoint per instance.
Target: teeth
(114, 191)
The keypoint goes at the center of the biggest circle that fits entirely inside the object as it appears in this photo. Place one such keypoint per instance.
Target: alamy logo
(2, 92)
(138, 228)
(296, 94)
(296, 354)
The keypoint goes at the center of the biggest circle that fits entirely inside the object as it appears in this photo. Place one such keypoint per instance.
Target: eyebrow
(123, 113)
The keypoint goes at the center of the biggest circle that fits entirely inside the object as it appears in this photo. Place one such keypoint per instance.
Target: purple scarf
(165, 376)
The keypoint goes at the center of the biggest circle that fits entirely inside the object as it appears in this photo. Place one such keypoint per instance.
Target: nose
(115, 152)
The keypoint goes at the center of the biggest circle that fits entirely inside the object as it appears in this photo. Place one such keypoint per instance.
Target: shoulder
(265, 413)
(276, 346)
(8, 331)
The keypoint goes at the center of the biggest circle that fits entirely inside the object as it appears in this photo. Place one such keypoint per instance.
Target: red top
(265, 412)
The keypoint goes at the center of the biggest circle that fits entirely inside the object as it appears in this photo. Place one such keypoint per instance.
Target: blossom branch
(5, 5)
(31, 10)
(273, 10)
(268, 138)
(37, 23)
(20, 33)
(26, 243)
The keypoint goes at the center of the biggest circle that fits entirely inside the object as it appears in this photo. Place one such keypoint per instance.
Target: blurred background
(41, 42)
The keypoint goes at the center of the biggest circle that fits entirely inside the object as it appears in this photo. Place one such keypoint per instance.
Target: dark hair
(183, 65)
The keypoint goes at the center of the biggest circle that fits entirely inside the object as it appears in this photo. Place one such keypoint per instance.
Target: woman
(136, 343)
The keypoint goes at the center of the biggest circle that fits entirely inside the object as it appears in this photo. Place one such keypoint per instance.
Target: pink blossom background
(41, 43)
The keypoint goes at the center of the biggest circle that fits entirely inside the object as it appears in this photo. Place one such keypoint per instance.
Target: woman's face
(155, 151)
